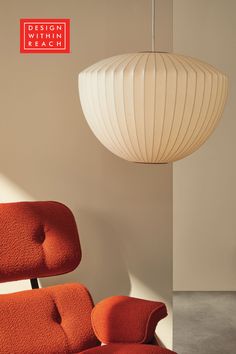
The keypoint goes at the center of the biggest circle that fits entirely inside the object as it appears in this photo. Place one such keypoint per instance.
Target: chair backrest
(37, 239)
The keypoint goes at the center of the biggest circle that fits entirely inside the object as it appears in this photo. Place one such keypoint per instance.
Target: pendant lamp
(152, 107)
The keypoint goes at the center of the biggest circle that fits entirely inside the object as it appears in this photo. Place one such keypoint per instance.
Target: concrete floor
(205, 322)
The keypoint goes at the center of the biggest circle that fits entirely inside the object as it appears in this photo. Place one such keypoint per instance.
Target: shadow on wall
(124, 236)
(123, 210)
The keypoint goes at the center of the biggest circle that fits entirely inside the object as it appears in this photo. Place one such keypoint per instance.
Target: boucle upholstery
(55, 320)
(125, 319)
(37, 239)
(40, 239)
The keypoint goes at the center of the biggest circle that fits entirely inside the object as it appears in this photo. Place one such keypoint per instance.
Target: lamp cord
(153, 24)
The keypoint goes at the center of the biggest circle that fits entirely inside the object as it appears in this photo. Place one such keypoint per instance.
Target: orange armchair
(40, 239)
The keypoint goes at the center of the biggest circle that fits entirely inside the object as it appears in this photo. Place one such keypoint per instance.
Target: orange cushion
(125, 319)
(37, 239)
(128, 349)
(55, 320)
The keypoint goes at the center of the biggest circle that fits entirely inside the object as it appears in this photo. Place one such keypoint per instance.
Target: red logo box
(44, 35)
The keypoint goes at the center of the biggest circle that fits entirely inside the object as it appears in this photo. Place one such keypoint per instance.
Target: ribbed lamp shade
(152, 107)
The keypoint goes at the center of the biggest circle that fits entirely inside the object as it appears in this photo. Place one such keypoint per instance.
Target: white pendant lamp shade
(152, 107)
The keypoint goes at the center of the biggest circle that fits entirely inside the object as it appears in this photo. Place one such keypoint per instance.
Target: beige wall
(204, 183)
(123, 210)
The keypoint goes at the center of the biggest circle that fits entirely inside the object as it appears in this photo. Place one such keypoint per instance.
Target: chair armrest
(123, 319)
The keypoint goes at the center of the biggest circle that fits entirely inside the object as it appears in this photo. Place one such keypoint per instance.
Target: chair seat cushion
(128, 349)
(54, 320)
